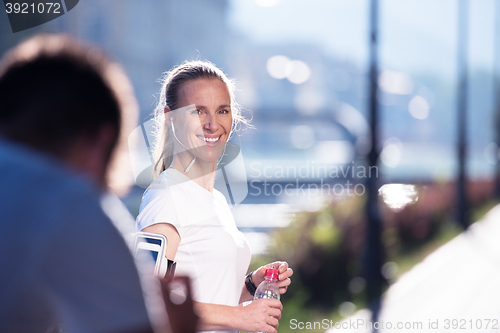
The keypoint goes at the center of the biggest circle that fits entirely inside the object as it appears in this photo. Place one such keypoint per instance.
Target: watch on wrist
(249, 284)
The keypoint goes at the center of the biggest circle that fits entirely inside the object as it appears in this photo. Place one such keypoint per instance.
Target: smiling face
(204, 130)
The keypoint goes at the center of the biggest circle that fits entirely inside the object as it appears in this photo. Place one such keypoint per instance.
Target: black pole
(462, 46)
(496, 91)
(373, 257)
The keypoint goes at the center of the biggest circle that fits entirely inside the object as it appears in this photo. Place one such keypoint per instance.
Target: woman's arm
(169, 231)
(259, 316)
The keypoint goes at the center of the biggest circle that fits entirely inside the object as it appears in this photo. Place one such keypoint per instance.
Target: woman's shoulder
(164, 200)
(164, 186)
(219, 196)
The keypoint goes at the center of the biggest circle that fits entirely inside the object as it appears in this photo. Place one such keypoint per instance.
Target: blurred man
(64, 110)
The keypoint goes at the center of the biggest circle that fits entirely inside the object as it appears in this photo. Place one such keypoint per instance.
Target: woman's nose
(211, 123)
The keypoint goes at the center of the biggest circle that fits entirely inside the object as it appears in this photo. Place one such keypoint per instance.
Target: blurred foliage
(324, 248)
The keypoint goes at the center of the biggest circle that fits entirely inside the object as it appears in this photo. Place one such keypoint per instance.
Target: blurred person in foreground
(64, 262)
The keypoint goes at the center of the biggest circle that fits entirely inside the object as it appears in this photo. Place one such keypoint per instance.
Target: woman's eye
(196, 112)
(224, 111)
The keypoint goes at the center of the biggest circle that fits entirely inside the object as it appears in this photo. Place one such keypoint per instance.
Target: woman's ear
(168, 117)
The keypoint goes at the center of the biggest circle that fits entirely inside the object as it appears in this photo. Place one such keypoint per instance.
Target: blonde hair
(163, 149)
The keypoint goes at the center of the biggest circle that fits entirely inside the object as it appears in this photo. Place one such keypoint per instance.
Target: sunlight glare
(398, 196)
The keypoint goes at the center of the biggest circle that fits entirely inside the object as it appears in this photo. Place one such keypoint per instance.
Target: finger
(286, 274)
(263, 270)
(283, 266)
(273, 303)
(284, 283)
(275, 264)
(270, 303)
(271, 321)
(283, 288)
(274, 313)
(270, 329)
(284, 277)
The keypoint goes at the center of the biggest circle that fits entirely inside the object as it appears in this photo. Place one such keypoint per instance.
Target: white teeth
(209, 139)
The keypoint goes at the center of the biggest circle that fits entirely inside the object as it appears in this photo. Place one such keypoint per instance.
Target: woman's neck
(201, 172)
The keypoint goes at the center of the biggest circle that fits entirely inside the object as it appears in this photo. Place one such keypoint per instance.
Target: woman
(195, 117)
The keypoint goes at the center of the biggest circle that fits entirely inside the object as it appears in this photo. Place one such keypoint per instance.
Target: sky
(415, 35)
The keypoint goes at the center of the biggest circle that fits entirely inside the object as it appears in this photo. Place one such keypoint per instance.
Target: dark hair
(54, 89)
(169, 94)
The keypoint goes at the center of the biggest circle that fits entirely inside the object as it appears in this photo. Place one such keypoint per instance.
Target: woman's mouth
(210, 140)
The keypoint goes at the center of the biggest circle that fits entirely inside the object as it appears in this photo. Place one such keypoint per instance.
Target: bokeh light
(392, 152)
(278, 66)
(334, 152)
(357, 285)
(491, 153)
(389, 270)
(299, 73)
(395, 83)
(418, 107)
(346, 309)
(398, 196)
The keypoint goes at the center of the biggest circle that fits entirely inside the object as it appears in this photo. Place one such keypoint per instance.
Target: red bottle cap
(273, 273)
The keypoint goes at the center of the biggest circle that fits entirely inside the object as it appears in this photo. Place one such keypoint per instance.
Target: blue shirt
(62, 259)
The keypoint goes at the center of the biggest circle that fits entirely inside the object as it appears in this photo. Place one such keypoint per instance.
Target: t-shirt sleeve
(162, 205)
(91, 274)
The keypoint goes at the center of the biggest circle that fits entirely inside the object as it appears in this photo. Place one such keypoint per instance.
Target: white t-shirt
(212, 251)
(63, 261)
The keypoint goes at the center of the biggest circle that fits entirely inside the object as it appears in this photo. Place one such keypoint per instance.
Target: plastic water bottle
(268, 288)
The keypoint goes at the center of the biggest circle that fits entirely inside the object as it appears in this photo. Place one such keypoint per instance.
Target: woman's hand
(283, 278)
(261, 315)
(180, 307)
